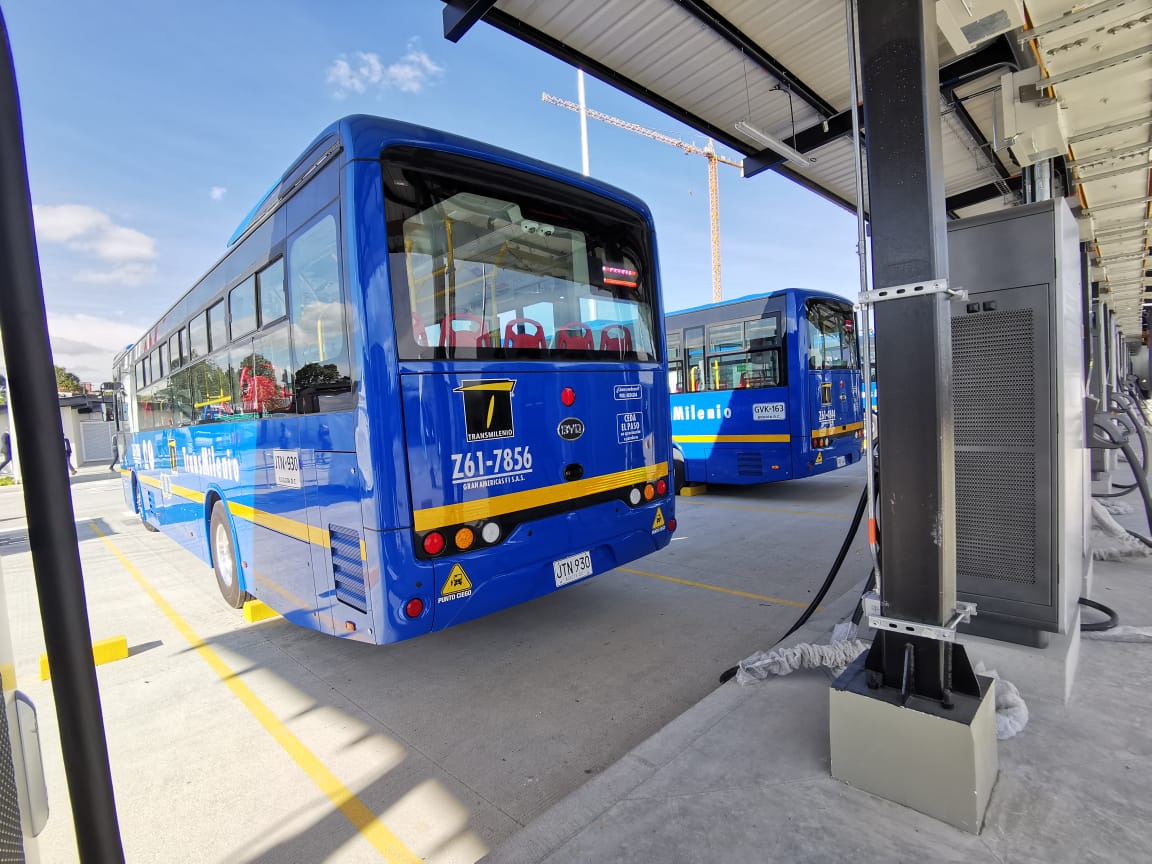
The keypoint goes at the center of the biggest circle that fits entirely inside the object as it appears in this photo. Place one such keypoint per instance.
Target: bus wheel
(677, 476)
(224, 560)
(139, 492)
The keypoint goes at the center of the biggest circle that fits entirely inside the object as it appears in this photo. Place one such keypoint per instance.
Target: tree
(66, 382)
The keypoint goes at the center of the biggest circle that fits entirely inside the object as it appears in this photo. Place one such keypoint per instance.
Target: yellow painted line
(355, 810)
(773, 600)
(103, 651)
(836, 430)
(732, 439)
(772, 509)
(500, 505)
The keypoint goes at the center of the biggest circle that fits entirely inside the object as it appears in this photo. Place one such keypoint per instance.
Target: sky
(152, 128)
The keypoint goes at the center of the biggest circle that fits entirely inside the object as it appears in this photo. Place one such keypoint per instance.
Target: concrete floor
(744, 775)
(455, 741)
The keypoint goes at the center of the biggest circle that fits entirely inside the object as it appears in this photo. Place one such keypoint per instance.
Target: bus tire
(677, 476)
(138, 491)
(224, 560)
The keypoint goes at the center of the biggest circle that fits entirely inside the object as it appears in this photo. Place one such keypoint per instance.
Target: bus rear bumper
(542, 557)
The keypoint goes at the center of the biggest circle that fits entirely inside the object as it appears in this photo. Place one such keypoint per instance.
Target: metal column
(48, 500)
(900, 71)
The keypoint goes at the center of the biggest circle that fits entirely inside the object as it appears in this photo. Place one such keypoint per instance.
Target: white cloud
(86, 344)
(410, 74)
(93, 234)
(130, 273)
(67, 222)
(217, 193)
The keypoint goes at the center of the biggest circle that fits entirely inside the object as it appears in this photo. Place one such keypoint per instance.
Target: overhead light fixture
(794, 156)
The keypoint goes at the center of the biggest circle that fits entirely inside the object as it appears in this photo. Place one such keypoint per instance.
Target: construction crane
(708, 152)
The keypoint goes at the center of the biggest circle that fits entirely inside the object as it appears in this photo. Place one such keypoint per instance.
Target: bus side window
(694, 350)
(265, 380)
(180, 393)
(317, 315)
(272, 301)
(212, 390)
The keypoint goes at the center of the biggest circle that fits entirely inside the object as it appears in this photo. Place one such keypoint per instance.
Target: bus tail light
(464, 538)
(414, 608)
(649, 492)
(568, 397)
(671, 526)
(634, 496)
(661, 486)
(490, 533)
(433, 543)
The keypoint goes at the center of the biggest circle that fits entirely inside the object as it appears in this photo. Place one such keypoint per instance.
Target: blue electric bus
(767, 387)
(425, 383)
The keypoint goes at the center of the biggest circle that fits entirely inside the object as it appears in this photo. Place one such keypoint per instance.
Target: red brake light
(434, 543)
(661, 486)
(568, 397)
(671, 525)
(414, 607)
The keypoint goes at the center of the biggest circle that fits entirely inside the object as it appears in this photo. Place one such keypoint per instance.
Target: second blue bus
(766, 387)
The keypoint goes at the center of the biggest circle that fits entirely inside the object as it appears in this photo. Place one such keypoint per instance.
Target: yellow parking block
(104, 651)
(255, 610)
(698, 489)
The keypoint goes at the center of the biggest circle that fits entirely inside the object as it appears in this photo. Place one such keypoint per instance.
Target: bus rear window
(513, 266)
(831, 336)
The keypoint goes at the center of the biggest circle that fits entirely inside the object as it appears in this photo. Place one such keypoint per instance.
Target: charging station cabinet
(1018, 419)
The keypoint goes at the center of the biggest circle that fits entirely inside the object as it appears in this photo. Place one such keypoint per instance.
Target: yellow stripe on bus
(732, 439)
(182, 491)
(451, 514)
(500, 505)
(836, 430)
(282, 524)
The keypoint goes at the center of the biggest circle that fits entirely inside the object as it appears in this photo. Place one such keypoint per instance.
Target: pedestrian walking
(115, 453)
(68, 457)
(5, 450)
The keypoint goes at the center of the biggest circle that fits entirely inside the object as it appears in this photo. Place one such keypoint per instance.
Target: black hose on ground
(1113, 444)
(1113, 618)
(1141, 482)
(729, 674)
(1125, 405)
(1138, 400)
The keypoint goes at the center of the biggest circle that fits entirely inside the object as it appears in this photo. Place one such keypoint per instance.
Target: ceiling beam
(721, 26)
(982, 193)
(460, 15)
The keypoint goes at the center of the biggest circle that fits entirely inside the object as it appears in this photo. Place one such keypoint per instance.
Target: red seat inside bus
(419, 331)
(575, 336)
(524, 333)
(472, 335)
(616, 337)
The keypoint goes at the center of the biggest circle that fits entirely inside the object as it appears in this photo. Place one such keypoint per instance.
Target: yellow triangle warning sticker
(658, 522)
(456, 583)
(819, 458)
